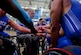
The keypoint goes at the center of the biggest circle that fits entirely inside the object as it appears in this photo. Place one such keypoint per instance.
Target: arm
(18, 27)
(13, 8)
(61, 32)
(55, 14)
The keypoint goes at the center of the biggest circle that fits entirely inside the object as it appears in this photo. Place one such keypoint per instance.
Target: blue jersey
(3, 23)
(71, 21)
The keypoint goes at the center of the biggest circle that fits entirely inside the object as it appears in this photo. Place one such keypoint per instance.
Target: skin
(57, 10)
(31, 13)
(18, 27)
(1, 42)
(40, 27)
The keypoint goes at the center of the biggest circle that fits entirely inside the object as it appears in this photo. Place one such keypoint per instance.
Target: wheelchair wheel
(56, 51)
(17, 46)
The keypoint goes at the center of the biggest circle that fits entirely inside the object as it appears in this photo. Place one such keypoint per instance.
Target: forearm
(25, 30)
(54, 28)
(18, 27)
(55, 15)
(54, 35)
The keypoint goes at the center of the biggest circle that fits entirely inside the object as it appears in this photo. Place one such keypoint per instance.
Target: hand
(40, 34)
(1, 42)
(40, 27)
(47, 26)
(39, 31)
(46, 30)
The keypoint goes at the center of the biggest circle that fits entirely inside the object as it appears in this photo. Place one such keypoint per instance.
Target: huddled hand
(42, 29)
